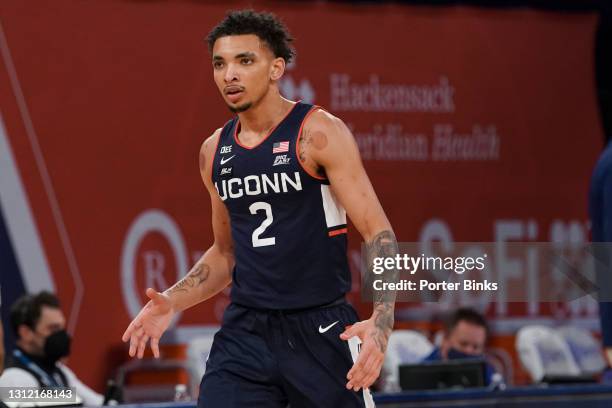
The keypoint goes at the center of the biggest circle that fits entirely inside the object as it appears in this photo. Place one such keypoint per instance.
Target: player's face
(243, 69)
(467, 338)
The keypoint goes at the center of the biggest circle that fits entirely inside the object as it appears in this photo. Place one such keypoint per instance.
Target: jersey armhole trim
(212, 164)
(297, 146)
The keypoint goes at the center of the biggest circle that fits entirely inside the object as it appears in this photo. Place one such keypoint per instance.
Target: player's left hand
(374, 344)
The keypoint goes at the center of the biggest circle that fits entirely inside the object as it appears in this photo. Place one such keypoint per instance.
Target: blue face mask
(454, 354)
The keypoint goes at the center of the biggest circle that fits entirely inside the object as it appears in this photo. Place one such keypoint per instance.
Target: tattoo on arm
(306, 141)
(384, 244)
(303, 144)
(194, 278)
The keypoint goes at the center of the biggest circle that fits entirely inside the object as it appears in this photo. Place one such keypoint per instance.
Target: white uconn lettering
(258, 184)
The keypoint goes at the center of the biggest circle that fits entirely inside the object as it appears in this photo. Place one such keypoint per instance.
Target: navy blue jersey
(600, 211)
(289, 230)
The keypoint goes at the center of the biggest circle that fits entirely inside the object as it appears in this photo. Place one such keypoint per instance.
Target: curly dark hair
(27, 309)
(268, 27)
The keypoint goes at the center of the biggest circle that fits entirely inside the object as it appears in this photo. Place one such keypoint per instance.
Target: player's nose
(231, 74)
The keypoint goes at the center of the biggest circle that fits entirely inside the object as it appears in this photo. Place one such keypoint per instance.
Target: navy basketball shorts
(278, 359)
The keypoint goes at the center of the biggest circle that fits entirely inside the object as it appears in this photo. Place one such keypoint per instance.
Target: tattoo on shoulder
(303, 144)
(307, 140)
(198, 275)
(383, 244)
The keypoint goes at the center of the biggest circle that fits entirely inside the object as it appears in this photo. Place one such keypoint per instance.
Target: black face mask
(57, 345)
(454, 354)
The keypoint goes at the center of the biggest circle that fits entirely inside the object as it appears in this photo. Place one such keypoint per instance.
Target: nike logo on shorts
(324, 329)
(226, 159)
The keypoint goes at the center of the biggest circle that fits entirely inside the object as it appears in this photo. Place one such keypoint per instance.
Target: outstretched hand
(149, 324)
(369, 363)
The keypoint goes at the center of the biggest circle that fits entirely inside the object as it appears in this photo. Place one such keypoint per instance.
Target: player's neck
(259, 119)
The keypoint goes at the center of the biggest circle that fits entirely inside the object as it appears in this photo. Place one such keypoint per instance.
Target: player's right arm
(211, 273)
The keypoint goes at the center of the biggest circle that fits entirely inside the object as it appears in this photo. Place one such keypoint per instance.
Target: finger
(356, 372)
(367, 352)
(358, 366)
(128, 332)
(134, 338)
(371, 380)
(142, 345)
(366, 372)
(155, 346)
(375, 373)
(133, 345)
(155, 296)
(349, 331)
(370, 372)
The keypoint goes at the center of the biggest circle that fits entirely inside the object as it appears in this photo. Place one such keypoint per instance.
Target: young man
(282, 177)
(42, 341)
(465, 336)
(600, 212)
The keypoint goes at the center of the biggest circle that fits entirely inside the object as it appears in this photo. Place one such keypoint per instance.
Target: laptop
(437, 375)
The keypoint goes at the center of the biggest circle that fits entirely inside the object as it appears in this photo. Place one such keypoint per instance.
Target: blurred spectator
(1, 350)
(1, 344)
(465, 336)
(42, 341)
(1, 358)
(600, 212)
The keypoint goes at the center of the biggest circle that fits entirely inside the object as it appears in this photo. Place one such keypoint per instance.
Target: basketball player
(282, 176)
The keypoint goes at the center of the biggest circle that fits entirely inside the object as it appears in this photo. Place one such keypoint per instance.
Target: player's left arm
(327, 144)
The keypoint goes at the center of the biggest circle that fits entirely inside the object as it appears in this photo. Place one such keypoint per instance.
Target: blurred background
(476, 121)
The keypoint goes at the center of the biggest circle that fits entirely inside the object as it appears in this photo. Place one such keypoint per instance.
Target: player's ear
(277, 69)
(24, 332)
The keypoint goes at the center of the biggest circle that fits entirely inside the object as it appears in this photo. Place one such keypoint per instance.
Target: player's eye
(246, 61)
(217, 65)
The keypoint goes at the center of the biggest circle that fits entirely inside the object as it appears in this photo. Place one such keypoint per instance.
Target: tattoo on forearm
(383, 245)
(194, 278)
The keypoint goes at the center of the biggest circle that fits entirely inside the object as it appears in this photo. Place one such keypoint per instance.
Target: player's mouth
(233, 93)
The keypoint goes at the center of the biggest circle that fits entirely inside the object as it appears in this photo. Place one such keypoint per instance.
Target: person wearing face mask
(41, 343)
(465, 337)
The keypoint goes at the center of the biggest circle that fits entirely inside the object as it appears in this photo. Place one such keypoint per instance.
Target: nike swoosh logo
(226, 159)
(324, 329)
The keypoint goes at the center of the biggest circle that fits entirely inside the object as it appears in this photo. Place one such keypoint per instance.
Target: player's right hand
(149, 324)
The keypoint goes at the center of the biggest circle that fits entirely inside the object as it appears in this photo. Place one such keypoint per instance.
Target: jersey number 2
(260, 242)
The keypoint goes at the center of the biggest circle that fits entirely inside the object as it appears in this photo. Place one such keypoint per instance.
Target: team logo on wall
(154, 255)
